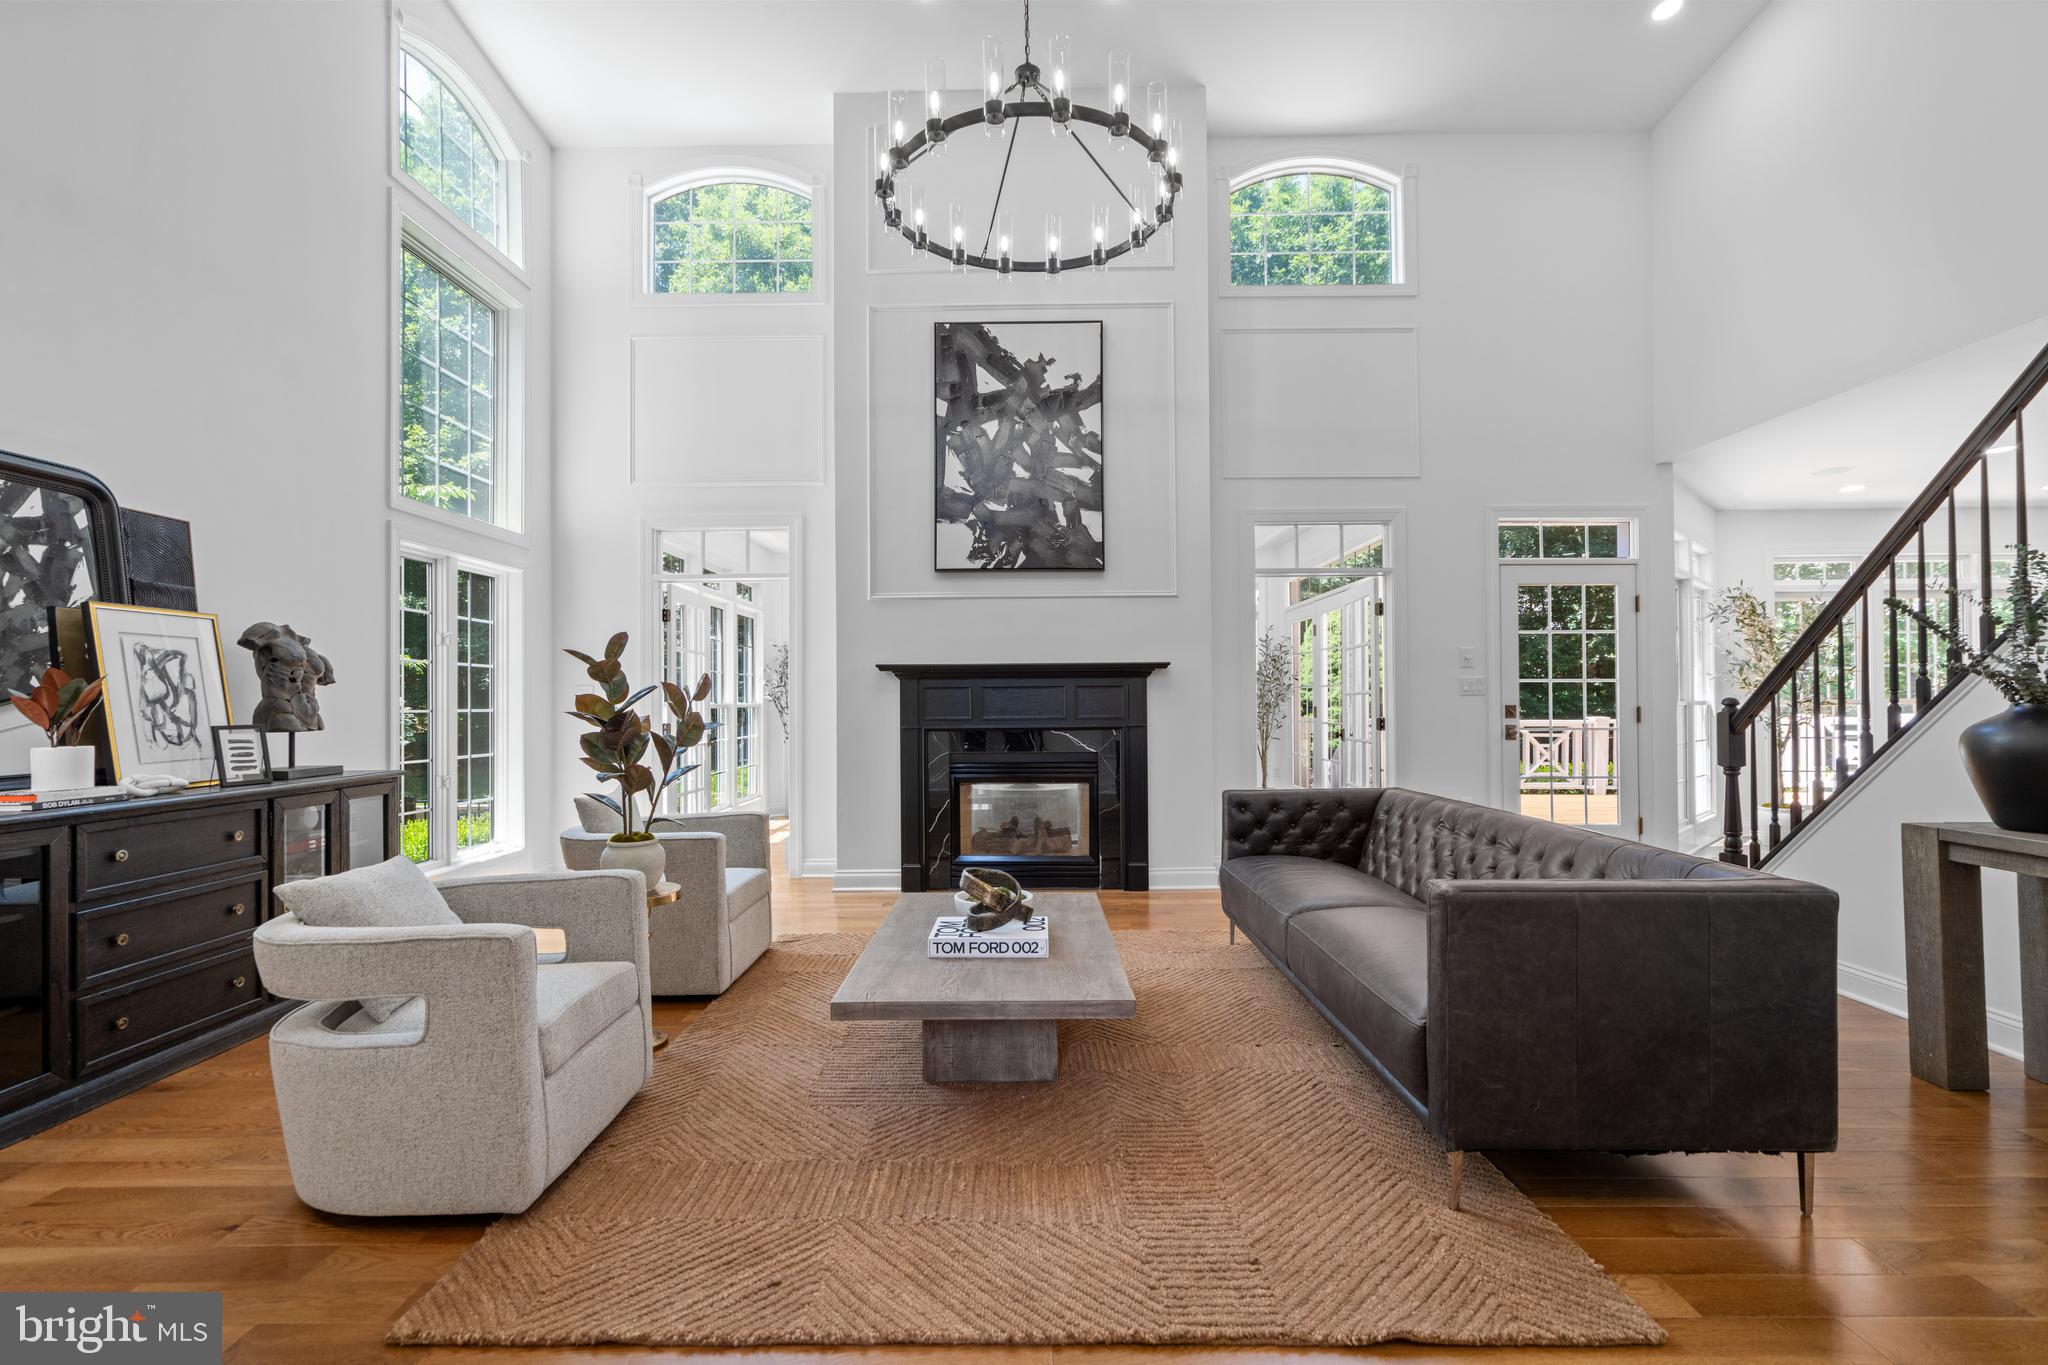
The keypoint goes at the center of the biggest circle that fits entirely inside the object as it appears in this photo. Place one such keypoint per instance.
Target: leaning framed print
(240, 755)
(1017, 446)
(165, 688)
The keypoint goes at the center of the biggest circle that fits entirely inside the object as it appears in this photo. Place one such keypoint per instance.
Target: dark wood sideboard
(124, 929)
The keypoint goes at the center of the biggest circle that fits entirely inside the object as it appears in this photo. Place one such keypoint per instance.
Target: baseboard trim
(817, 867)
(1888, 993)
(1183, 878)
(867, 879)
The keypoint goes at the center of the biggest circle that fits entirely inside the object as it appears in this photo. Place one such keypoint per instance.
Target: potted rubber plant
(59, 706)
(617, 744)
(2007, 755)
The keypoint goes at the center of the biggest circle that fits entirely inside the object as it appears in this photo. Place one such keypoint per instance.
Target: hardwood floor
(1929, 1244)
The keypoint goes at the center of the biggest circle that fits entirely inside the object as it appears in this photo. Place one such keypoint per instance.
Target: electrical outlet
(1468, 658)
(1471, 687)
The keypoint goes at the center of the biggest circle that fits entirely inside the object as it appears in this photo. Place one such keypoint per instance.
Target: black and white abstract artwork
(1018, 446)
(165, 688)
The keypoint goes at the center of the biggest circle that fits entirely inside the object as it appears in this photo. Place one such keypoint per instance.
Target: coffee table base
(961, 1051)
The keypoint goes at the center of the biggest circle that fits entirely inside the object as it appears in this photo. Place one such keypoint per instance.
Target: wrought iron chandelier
(1148, 198)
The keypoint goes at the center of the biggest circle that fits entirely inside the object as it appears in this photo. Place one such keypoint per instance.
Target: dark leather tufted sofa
(1529, 985)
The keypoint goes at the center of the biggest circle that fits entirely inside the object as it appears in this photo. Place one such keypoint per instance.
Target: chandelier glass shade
(918, 125)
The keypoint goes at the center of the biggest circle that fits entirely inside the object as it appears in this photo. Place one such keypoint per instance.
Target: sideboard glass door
(27, 1018)
(305, 840)
(369, 820)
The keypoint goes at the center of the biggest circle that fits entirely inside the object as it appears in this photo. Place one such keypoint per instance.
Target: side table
(1945, 948)
(661, 893)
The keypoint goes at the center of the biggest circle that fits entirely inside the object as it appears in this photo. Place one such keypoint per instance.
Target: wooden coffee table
(989, 1021)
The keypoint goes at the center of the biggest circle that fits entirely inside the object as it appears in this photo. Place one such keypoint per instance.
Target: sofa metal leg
(1457, 1179)
(1233, 933)
(1806, 1162)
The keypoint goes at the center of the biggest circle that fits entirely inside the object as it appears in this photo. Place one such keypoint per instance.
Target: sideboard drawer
(119, 1022)
(131, 854)
(120, 938)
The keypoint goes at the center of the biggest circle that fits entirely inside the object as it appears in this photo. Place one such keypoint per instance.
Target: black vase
(2007, 758)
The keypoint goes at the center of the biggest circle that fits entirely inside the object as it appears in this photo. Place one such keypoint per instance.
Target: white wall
(197, 285)
(1850, 189)
(1853, 847)
(1532, 394)
(893, 607)
(634, 461)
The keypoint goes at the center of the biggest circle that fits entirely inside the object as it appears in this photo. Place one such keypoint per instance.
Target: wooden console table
(1945, 948)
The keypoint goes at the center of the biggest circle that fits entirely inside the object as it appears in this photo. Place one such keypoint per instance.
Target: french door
(1339, 729)
(1569, 720)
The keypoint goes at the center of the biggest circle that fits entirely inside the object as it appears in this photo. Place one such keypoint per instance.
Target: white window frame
(1697, 658)
(508, 820)
(706, 597)
(1401, 185)
(509, 423)
(408, 35)
(646, 194)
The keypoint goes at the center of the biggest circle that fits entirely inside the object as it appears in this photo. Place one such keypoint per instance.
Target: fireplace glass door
(1025, 820)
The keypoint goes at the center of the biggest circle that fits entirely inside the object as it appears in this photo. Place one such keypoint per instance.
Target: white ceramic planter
(645, 857)
(66, 767)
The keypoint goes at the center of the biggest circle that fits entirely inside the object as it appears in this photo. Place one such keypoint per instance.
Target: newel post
(1728, 753)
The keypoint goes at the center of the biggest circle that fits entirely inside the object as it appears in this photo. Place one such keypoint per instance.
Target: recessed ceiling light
(1666, 8)
(1852, 488)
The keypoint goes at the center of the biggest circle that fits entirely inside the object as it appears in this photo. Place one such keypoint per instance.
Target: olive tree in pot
(2007, 755)
(617, 744)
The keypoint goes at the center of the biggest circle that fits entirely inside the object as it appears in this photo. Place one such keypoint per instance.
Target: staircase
(1861, 675)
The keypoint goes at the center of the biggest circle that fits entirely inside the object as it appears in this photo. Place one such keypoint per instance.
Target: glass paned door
(1339, 736)
(1569, 720)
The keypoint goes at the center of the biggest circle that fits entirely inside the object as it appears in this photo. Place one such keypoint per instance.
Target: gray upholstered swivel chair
(494, 1073)
(722, 920)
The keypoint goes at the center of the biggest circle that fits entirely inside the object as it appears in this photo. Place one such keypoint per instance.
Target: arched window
(444, 148)
(730, 235)
(1328, 224)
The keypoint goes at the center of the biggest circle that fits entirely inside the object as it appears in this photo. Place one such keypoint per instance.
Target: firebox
(1032, 814)
(1034, 769)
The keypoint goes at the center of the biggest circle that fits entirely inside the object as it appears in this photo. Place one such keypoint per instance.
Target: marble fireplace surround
(1020, 722)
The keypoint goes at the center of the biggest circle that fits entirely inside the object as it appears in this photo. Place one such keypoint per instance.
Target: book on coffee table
(951, 938)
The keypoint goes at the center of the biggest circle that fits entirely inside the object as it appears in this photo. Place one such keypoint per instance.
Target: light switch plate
(1472, 687)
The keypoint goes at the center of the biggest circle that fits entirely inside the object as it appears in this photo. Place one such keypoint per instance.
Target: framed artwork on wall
(1017, 446)
(166, 688)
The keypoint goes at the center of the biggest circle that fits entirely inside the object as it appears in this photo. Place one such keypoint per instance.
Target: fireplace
(1036, 770)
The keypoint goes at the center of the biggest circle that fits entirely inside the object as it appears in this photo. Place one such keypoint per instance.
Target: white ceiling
(598, 73)
(1883, 440)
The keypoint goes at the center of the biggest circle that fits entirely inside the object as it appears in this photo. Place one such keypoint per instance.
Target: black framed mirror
(60, 546)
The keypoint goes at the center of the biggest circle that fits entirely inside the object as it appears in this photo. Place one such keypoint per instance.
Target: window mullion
(446, 719)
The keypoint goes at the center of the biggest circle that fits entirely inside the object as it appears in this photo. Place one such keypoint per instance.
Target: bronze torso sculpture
(291, 671)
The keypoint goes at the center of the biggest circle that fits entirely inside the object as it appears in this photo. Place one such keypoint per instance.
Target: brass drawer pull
(238, 836)
(238, 909)
(120, 855)
(121, 1023)
(241, 981)
(120, 940)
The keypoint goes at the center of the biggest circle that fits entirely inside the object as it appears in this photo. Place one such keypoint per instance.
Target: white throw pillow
(393, 894)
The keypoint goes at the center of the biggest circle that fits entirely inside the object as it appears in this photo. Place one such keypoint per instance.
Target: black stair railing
(1813, 725)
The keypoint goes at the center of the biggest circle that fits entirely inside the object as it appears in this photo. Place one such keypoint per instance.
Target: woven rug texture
(1220, 1169)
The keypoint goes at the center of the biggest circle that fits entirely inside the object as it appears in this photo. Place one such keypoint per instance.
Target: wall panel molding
(1021, 586)
(1281, 390)
(707, 410)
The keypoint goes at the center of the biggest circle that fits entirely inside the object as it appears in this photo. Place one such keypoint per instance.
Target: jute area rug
(1219, 1169)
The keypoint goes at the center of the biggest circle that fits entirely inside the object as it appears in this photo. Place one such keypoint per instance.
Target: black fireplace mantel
(956, 717)
(1020, 670)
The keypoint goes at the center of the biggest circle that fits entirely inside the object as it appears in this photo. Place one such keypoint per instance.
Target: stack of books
(54, 800)
(951, 938)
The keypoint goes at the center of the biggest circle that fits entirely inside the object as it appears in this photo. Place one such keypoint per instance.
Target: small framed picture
(166, 688)
(240, 756)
